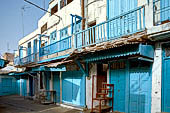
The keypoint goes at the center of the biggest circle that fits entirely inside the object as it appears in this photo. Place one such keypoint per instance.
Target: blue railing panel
(161, 9)
(29, 59)
(58, 46)
(124, 24)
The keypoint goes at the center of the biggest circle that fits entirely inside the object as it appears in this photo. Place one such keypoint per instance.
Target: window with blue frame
(53, 37)
(64, 39)
(63, 33)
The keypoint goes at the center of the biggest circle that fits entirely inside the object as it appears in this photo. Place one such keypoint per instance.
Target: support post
(60, 86)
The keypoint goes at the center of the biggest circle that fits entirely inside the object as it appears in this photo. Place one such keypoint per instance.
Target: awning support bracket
(81, 68)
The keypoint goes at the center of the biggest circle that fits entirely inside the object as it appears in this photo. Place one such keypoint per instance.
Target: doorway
(101, 75)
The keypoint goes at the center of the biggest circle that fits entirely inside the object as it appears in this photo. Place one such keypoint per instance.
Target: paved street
(17, 104)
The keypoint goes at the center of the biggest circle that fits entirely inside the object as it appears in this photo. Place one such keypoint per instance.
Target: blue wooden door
(164, 10)
(140, 91)
(166, 85)
(77, 28)
(7, 88)
(24, 87)
(18, 86)
(73, 88)
(118, 78)
(56, 86)
(47, 83)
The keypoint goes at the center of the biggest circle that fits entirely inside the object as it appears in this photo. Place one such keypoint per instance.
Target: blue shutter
(165, 11)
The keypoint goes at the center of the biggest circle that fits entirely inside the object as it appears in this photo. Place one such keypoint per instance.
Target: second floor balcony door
(35, 49)
(165, 10)
(29, 52)
(122, 23)
(77, 28)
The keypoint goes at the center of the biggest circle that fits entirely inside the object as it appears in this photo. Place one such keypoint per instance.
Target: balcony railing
(124, 24)
(161, 9)
(29, 59)
(16, 61)
(55, 47)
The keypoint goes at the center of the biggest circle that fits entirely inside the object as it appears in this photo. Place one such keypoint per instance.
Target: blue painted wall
(73, 88)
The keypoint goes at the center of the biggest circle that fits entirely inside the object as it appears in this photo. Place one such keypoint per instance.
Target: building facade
(81, 44)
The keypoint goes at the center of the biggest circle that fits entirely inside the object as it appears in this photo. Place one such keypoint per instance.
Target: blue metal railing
(29, 59)
(16, 61)
(124, 24)
(55, 47)
(161, 10)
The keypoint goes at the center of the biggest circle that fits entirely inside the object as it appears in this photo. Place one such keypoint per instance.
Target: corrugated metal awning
(129, 50)
(58, 63)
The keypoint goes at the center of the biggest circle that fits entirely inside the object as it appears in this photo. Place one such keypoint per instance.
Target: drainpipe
(82, 14)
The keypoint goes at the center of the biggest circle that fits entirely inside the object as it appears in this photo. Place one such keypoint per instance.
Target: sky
(11, 27)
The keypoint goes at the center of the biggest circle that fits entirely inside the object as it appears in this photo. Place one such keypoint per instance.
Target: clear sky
(11, 30)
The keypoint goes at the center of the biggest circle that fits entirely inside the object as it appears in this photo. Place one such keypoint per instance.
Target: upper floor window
(64, 3)
(69, 1)
(44, 28)
(54, 9)
(53, 37)
(64, 33)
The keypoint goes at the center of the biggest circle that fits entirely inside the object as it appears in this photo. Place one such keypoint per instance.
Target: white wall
(156, 80)
(92, 71)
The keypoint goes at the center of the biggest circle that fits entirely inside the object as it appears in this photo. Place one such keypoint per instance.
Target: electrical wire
(42, 9)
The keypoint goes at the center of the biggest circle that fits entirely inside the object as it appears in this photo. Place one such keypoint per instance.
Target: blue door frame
(165, 105)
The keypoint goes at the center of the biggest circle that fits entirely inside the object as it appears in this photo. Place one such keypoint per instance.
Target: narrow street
(17, 104)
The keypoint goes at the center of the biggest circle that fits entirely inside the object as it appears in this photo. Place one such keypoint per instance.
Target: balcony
(125, 24)
(56, 47)
(32, 58)
(161, 9)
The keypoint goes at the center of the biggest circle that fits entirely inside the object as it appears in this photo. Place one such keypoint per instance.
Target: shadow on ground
(17, 104)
